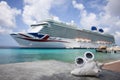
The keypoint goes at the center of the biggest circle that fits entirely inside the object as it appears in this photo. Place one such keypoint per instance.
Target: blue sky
(17, 15)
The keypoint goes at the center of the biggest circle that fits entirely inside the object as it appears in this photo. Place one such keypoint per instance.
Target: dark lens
(80, 61)
(89, 55)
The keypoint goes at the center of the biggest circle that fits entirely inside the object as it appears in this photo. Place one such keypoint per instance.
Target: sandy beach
(48, 70)
(113, 66)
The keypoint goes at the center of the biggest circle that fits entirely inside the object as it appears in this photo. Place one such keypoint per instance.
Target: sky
(18, 15)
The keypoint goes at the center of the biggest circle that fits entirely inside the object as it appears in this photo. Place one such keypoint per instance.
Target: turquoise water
(66, 55)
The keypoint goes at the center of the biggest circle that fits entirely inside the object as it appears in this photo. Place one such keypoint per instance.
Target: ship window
(35, 29)
(36, 25)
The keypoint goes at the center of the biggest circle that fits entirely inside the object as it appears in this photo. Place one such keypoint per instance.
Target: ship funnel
(89, 55)
(94, 28)
(80, 61)
(101, 30)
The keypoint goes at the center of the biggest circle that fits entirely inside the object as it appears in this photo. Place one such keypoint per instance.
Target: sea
(18, 55)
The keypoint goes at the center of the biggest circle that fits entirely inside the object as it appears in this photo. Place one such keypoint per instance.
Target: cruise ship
(54, 34)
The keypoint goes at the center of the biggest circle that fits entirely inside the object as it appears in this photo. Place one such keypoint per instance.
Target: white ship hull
(40, 44)
(56, 43)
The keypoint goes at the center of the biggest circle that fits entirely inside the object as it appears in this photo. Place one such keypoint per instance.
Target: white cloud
(108, 18)
(37, 10)
(111, 16)
(56, 18)
(4, 30)
(113, 7)
(86, 19)
(7, 17)
(78, 6)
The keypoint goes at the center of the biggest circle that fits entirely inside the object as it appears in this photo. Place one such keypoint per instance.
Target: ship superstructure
(52, 34)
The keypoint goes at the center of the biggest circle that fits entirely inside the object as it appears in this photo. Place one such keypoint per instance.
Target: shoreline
(47, 70)
(17, 47)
